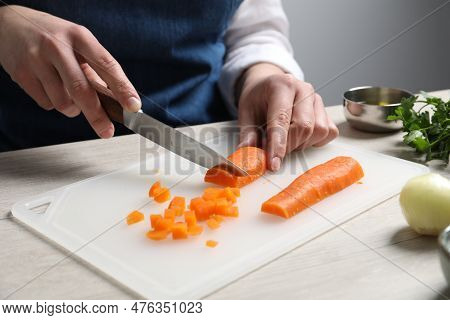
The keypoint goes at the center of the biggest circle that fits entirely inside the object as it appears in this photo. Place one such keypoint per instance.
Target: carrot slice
(154, 189)
(195, 230)
(179, 231)
(162, 195)
(314, 185)
(190, 218)
(164, 224)
(211, 243)
(213, 223)
(157, 234)
(154, 218)
(134, 217)
(251, 159)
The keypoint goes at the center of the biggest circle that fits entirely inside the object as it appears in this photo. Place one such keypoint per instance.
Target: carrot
(154, 218)
(164, 224)
(250, 159)
(202, 208)
(154, 189)
(170, 214)
(212, 193)
(219, 219)
(162, 195)
(211, 243)
(134, 217)
(157, 234)
(314, 185)
(212, 224)
(195, 230)
(190, 218)
(178, 204)
(179, 231)
(229, 194)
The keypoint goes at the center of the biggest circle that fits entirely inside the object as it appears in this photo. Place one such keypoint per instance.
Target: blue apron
(171, 50)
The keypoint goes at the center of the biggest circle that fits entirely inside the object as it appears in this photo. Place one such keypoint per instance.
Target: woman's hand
(292, 113)
(47, 57)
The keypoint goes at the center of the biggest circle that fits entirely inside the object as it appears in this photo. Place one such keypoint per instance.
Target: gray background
(330, 35)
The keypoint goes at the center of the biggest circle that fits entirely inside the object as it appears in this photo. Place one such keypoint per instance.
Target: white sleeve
(258, 32)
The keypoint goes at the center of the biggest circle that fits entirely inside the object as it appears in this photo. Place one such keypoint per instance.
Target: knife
(162, 134)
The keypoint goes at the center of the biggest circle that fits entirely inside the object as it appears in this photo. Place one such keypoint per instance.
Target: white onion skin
(425, 203)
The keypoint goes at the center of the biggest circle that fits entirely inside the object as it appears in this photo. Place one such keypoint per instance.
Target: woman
(176, 54)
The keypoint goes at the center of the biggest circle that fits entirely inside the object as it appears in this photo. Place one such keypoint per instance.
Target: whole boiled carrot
(314, 185)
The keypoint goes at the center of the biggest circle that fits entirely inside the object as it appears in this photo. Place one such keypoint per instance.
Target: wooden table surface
(373, 256)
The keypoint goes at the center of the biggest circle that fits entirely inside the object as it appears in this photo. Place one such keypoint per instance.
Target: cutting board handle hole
(40, 208)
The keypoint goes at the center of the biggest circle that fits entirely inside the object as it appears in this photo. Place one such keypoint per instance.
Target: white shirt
(258, 32)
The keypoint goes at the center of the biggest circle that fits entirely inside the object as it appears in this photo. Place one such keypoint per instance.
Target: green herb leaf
(428, 134)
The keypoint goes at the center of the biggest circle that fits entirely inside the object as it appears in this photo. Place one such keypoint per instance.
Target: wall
(330, 35)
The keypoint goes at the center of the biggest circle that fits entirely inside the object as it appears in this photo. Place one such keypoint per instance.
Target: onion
(425, 202)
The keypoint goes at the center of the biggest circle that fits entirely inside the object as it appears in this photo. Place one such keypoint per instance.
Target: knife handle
(112, 107)
(109, 103)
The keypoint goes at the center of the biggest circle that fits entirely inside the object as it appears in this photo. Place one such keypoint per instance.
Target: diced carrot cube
(170, 214)
(196, 203)
(154, 189)
(164, 224)
(229, 194)
(195, 230)
(228, 211)
(202, 208)
(162, 195)
(219, 219)
(211, 243)
(236, 191)
(157, 234)
(179, 231)
(178, 203)
(135, 217)
(233, 212)
(190, 218)
(154, 218)
(212, 193)
(213, 223)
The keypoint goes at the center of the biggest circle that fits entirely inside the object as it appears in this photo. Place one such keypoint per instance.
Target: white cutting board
(87, 218)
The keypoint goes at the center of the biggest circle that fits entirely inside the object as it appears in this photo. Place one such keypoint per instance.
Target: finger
(248, 129)
(333, 133)
(33, 87)
(107, 68)
(82, 93)
(303, 117)
(321, 130)
(91, 74)
(279, 112)
(54, 88)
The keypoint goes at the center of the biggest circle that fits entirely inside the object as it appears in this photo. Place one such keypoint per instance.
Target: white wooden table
(373, 256)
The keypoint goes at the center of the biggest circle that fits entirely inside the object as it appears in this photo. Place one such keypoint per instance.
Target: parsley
(428, 134)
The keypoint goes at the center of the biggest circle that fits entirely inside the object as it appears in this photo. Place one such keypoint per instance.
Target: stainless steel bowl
(366, 108)
(444, 252)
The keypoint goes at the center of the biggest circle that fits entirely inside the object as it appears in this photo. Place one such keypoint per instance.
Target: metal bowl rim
(374, 87)
(443, 241)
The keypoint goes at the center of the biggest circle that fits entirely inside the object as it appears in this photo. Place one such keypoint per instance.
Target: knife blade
(162, 134)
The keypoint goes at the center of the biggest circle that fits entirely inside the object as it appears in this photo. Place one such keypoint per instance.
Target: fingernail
(276, 163)
(134, 104)
(107, 133)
